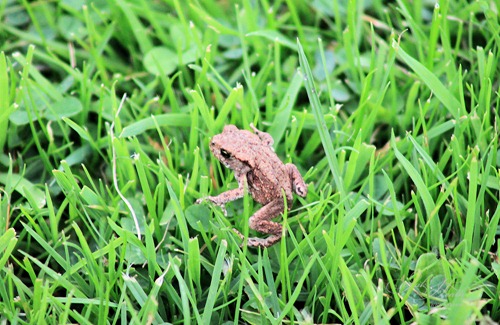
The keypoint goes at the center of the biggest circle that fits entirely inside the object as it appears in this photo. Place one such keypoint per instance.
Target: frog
(258, 170)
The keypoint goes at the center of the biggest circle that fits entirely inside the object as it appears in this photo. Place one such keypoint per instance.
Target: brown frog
(256, 165)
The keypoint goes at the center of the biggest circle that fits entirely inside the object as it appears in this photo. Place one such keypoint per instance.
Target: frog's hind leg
(261, 221)
(265, 137)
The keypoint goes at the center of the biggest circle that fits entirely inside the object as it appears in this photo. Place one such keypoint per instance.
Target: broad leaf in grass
(24, 187)
(431, 288)
(66, 107)
(19, 117)
(415, 301)
(167, 218)
(134, 255)
(198, 217)
(321, 72)
(429, 319)
(71, 27)
(438, 289)
(189, 56)
(380, 188)
(390, 252)
(38, 100)
(179, 37)
(161, 60)
(233, 54)
(77, 4)
(387, 209)
(251, 316)
(128, 222)
(428, 265)
(340, 92)
(16, 17)
(275, 36)
(426, 296)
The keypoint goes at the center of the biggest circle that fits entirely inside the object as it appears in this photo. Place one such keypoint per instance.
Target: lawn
(389, 110)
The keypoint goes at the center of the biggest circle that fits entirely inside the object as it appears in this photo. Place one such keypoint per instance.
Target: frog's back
(268, 177)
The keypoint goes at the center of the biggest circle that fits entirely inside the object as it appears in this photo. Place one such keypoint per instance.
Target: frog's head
(234, 148)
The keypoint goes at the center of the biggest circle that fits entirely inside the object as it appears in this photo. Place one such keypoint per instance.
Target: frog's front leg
(260, 221)
(298, 184)
(224, 197)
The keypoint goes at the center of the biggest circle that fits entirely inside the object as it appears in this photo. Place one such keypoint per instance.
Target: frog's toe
(261, 242)
(301, 191)
(223, 208)
(238, 233)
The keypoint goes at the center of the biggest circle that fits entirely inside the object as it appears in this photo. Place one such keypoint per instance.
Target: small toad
(256, 166)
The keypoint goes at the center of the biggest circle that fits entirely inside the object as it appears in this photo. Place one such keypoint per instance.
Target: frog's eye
(225, 154)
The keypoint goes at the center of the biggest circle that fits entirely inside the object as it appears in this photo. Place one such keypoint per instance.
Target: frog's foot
(214, 201)
(223, 208)
(258, 242)
(263, 242)
(238, 233)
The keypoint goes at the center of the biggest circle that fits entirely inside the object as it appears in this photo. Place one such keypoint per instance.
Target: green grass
(389, 110)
